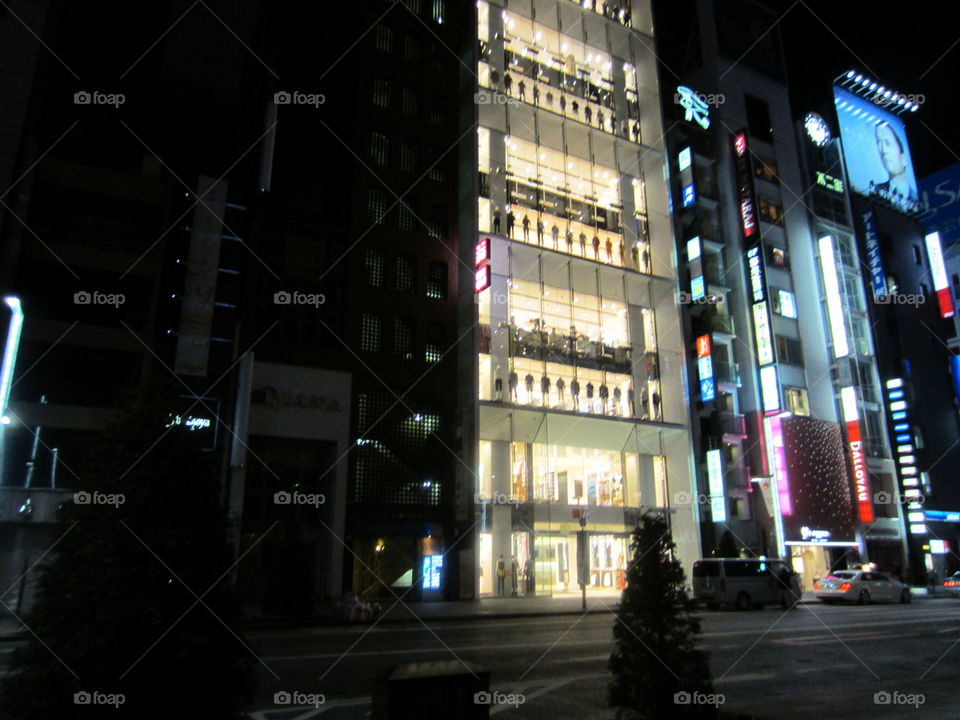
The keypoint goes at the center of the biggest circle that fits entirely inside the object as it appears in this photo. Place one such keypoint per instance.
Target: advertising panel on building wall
(940, 200)
(876, 151)
(820, 507)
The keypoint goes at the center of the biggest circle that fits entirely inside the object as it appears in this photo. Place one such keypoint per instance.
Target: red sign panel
(481, 253)
(860, 478)
(703, 346)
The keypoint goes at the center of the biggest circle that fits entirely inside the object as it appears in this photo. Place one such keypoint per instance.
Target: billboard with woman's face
(875, 148)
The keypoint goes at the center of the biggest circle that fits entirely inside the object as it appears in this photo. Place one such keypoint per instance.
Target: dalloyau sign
(277, 399)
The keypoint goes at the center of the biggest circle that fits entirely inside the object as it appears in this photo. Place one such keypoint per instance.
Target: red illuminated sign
(703, 346)
(481, 253)
(481, 279)
(747, 217)
(860, 478)
(740, 143)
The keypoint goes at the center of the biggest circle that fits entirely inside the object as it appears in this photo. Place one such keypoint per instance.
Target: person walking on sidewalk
(501, 571)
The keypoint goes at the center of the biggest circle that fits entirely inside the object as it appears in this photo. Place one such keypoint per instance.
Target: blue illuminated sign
(689, 196)
(878, 280)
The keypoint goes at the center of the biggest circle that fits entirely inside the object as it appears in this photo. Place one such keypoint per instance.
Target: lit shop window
(796, 400)
(485, 465)
(371, 329)
(381, 93)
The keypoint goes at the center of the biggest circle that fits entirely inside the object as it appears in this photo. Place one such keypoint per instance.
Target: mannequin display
(540, 232)
(563, 104)
(604, 395)
(536, 95)
(545, 390)
(495, 79)
(528, 381)
(496, 222)
(569, 241)
(511, 220)
(561, 386)
(645, 258)
(498, 385)
(596, 247)
(555, 231)
(656, 406)
(512, 382)
(549, 99)
(575, 392)
(635, 254)
(588, 114)
(583, 244)
(609, 248)
(589, 397)
(617, 397)
(523, 91)
(600, 119)
(632, 403)
(622, 259)
(576, 108)
(526, 228)
(644, 399)
(508, 83)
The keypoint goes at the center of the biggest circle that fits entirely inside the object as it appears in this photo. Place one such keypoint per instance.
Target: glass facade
(579, 354)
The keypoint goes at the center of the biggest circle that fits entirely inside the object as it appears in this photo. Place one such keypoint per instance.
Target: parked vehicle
(861, 587)
(745, 583)
(951, 585)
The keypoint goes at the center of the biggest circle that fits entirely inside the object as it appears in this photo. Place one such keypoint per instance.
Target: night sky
(911, 48)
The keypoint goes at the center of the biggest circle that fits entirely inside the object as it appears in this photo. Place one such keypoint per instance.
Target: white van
(745, 583)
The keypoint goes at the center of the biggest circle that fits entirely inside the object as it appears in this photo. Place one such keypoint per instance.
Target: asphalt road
(813, 661)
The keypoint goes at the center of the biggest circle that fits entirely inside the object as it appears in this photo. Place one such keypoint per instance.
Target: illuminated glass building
(573, 392)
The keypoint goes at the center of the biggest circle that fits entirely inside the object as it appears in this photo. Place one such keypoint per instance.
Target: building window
(438, 113)
(758, 118)
(436, 339)
(414, 6)
(379, 148)
(376, 206)
(766, 169)
(408, 158)
(409, 103)
(437, 281)
(437, 173)
(407, 218)
(373, 265)
(411, 49)
(406, 274)
(381, 93)
(438, 11)
(403, 338)
(797, 401)
(789, 351)
(437, 225)
(784, 303)
(384, 38)
(917, 257)
(771, 212)
(370, 332)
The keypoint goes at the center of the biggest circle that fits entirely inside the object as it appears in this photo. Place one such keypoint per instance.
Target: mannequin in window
(511, 220)
(555, 231)
(540, 232)
(656, 406)
(623, 262)
(561, 386)
(528, 381)
(563, 104)
(631, 402)
(496, 222)
(588, 114)
(508, 84)
(523, 90)
(635, 255)
(645, 258)
(536, 94)
(596, 247)
(644, 399)
(495, 79)
(617, 398)
(498, 385)
(590, 396)
(575, 392)
(583, 244)
(600, 119)
(569, 240)
(526, 228)
(609, 248)
(512, 382)
(545, 390)
(549, 99)
(576, 108)
(604, 394)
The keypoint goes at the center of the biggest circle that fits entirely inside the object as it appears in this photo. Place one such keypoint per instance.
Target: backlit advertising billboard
(876, 150)
(814, 468)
